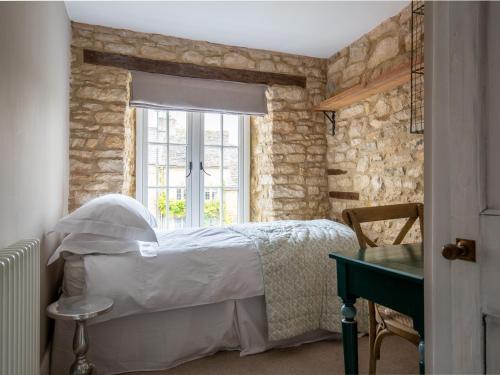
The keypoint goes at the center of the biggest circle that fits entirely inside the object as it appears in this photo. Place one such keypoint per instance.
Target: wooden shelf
(384, 82)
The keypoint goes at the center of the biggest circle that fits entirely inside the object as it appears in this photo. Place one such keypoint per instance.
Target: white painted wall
(34, 126)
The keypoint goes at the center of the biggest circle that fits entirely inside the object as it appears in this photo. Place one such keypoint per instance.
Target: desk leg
(418, 325)
(350, 337)
(421, 356)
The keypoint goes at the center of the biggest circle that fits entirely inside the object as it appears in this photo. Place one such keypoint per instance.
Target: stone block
(360, 182)
(121, 48)
(337, 66)
(105, 95)
(352, 111)
(282, 191)
(192, 57)
(376, 184)
(295, 158)
(385, 49)
(110, 165)
(110, 117)
(78, 142)
(358, 51)
(382, 108)
(114, 142)
(238, 61)
(266, 66)
(353, 70)
(362, 165)
(76, 166)
(157, 53)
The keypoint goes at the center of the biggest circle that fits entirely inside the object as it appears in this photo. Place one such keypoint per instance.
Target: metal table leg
(81, 365)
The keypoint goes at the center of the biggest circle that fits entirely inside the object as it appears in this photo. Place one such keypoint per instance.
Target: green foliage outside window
(177, 209)
(212, 209)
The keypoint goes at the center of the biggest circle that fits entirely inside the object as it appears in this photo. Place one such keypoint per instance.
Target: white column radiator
(20, 308)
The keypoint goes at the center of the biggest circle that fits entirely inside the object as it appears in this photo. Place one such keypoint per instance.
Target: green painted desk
(392, 276)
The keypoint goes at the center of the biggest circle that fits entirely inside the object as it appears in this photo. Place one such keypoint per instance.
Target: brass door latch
(463, 249)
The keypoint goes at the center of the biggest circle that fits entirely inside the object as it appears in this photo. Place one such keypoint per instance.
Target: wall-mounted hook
(331, 116)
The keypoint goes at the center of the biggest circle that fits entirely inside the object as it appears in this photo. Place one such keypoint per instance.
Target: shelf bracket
(330, 115)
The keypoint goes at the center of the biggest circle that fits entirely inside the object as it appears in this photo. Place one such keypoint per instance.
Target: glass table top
(407, 259)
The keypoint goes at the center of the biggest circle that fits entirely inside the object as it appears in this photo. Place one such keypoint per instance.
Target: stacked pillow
(110, 224)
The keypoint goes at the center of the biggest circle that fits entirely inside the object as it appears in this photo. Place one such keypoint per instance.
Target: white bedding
(203, 292)
(193, 267)
(165, 339)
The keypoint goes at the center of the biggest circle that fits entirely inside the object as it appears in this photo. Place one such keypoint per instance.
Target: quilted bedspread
(300, 281)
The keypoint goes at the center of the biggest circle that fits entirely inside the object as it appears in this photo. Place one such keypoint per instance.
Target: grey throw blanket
(300, 281)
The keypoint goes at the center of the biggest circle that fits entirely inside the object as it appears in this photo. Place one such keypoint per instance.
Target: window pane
(152, 175)
(177, 166)
(157, 154)
(162, 121)
(176, 208)
(152, 154)
(212, 166)
(177, 127)
(152, 201)
(152, 134)
(230, 167)
(157, 205)
(152, 118)
(230, 126)
(230, 206)
(211, 207)
(212, 122)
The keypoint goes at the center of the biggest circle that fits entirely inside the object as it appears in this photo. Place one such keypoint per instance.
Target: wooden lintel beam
(190, 70)
(348, 195)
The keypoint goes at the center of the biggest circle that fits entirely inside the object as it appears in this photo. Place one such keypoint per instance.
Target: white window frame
(194, 184)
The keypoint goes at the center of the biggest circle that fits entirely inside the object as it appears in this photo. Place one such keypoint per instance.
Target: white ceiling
(300, 27)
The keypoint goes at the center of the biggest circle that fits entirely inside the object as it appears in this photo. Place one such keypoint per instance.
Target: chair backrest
(355, 216)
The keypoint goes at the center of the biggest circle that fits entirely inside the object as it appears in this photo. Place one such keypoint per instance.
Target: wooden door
(462, 178)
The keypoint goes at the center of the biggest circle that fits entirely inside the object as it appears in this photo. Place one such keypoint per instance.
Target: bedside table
(80, 309)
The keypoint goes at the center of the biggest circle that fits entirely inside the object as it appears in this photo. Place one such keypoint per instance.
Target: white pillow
(112, 215)
(85, 244)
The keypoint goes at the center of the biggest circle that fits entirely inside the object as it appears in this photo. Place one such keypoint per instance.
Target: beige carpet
(398, 357)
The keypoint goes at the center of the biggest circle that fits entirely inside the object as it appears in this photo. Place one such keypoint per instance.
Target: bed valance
(194, 94)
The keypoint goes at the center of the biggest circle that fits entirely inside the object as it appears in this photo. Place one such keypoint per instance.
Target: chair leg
(378, 341)
(372, 331)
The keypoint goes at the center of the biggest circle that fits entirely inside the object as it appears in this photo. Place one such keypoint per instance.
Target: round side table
(80, 309)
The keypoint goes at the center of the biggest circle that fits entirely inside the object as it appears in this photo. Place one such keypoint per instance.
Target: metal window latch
(463, 249)
(203, 169)
(190, 169)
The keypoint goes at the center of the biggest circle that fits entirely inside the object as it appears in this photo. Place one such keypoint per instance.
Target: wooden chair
(382, 320)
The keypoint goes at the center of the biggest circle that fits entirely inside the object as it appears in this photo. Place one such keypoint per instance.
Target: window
(193, 168)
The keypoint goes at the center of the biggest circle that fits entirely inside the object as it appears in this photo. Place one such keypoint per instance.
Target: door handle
(462, 249)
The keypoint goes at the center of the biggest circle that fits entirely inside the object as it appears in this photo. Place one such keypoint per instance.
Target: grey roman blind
(194, 94)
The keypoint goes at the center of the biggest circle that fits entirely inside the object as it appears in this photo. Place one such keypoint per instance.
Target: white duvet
(193, 267)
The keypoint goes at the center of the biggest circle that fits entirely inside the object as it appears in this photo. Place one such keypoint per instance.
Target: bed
(248, 287)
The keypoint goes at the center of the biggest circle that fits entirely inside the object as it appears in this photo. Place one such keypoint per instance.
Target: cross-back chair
(382, 320)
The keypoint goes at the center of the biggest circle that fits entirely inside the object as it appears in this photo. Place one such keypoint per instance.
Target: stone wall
(382, 161)
(291, 146)
(288, 145)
